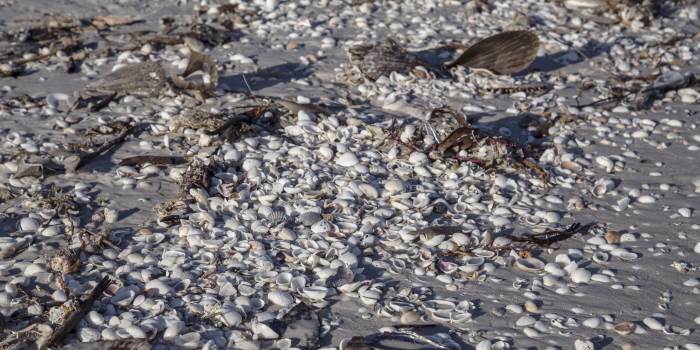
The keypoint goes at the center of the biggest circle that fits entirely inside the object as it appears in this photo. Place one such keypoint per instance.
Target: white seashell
(280, 298)
(525, 321)
(347, 159)
(592, 322)
(606, 163)
(532, 333)
(232, 318)
(51, 231)
(530, 264)
(601, 257)
(315, 293)
(160, 286)
(393, 186)
(483, 345)
(369, 296)
(432, 241)
(29, 225)
(55, 99)
(624, 254)
(602, 186)
(322, 227)
(583, 344)
(472, 264)
(653, 323)
(646, 199)
(417, 158)
(33, 270)
(501, 241)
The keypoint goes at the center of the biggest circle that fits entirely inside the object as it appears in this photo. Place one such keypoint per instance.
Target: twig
(72, 321)
(86, 158)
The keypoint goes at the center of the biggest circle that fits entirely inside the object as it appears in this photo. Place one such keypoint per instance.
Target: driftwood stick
(86, 158)
(72, 321)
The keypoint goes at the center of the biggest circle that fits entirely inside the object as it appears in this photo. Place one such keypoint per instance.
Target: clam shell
(472, 264)
(315, 293)
(624, 328)
(530, 264)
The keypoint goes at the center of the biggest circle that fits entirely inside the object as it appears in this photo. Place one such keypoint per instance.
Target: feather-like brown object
(503, 53)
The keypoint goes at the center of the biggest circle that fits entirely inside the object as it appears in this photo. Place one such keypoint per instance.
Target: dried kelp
(75, 162)
(123, 344)
(550, 236)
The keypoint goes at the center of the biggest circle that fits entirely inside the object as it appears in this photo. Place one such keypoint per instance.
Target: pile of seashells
(310, 227)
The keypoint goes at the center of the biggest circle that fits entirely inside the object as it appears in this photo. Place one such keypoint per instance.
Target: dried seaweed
(207, 65)
(154, 160)
(144, 78)
(550, 237)
(74, 163)
(123, 344)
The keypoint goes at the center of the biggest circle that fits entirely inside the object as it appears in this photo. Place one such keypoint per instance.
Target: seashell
(280, 298)
(29, 225)
(530, 264)
(624, 328)
(263, 331)
(484, 253)
(601, 257)
(351, 287)
(431, 240)
(624, 254)
(602, 186)
(322, 227)
(232, 318)
(653, 323)
(369, 296)
(445, 266)
(580, 275)
(315, 293)
(347, 159)
(612, 237)
(472, 264)
(583, 345)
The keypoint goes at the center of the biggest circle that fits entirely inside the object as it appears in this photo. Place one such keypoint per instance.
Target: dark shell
(503, 53)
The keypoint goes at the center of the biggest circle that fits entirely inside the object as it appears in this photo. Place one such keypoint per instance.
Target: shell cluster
(304, 205)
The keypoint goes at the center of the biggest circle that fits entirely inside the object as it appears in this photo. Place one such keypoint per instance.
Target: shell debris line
(335, 174)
